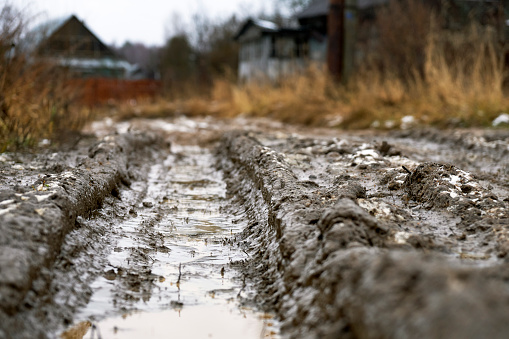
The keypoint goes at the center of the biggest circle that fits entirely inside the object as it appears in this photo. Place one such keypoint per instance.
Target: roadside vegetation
(439, 77)
(35, 103)
(418, 74)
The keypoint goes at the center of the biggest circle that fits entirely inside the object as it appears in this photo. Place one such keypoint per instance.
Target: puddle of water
(169, 272)
(192, 322)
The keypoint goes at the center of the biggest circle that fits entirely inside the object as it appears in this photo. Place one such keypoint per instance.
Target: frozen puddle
(169, 274)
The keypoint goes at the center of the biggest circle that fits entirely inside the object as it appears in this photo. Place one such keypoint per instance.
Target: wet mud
(174, 258)
(348, 243)
(284, 231)
(43, 195)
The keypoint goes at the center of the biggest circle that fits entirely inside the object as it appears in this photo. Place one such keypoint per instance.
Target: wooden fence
(96, 91)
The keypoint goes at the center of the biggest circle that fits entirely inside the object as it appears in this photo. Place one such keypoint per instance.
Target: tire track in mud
(42, 202)
(348, 244)
(339, 240)
(388, 192)
(175, 256)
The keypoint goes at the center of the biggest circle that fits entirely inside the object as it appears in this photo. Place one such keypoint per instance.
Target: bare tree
(293, 5)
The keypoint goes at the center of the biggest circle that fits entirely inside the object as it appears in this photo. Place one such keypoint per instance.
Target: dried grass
(460, 84)
(35, 102)
(439, 77)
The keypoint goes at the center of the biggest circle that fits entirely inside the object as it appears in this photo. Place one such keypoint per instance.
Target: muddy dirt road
(249, 228)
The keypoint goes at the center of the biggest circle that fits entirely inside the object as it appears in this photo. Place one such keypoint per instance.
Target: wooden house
(94, 70)
(268, 51)
(70, 43)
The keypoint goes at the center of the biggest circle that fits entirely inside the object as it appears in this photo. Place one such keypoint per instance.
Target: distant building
(268, 51)
(69, 43)
(97, 73)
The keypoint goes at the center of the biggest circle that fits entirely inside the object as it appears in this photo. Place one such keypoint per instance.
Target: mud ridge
(336, 262)
(36, 216)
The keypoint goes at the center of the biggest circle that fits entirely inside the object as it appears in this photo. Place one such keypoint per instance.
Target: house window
(285, 48)
(273, 53)
(301, 48)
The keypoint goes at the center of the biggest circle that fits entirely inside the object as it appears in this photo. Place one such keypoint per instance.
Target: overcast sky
(147, 21)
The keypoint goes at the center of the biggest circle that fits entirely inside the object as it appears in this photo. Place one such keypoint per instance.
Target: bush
(35, 102)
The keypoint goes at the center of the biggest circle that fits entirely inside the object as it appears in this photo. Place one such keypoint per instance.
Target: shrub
(35, 102)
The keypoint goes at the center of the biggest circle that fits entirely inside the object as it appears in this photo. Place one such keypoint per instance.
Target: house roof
(264, 25)
(40, 36)
(43, 33)
(47, 28)
(267, 27)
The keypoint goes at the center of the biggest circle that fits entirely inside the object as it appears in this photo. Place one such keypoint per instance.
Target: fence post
(335, 38)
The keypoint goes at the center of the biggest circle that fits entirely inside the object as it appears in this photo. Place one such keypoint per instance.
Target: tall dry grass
(309, 97)
(464, 73)
(458, 81)
(461, 83)
(35, 101)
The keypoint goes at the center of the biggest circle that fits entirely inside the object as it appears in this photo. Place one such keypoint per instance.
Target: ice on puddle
(368, 153)
(453, 194)
(8, 209)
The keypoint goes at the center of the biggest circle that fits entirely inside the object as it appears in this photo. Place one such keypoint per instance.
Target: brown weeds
(35, 102)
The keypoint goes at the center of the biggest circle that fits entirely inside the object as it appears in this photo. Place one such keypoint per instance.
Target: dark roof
(263, 25)
(268, 27)
(40, 41)
(68, 28)
(42, 31)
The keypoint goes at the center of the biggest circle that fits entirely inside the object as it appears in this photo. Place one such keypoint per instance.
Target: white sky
(147, 21)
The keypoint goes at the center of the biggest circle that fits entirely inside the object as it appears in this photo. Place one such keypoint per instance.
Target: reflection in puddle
(78, 331)
(209, 228)
(169, 272)
(187, 322)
